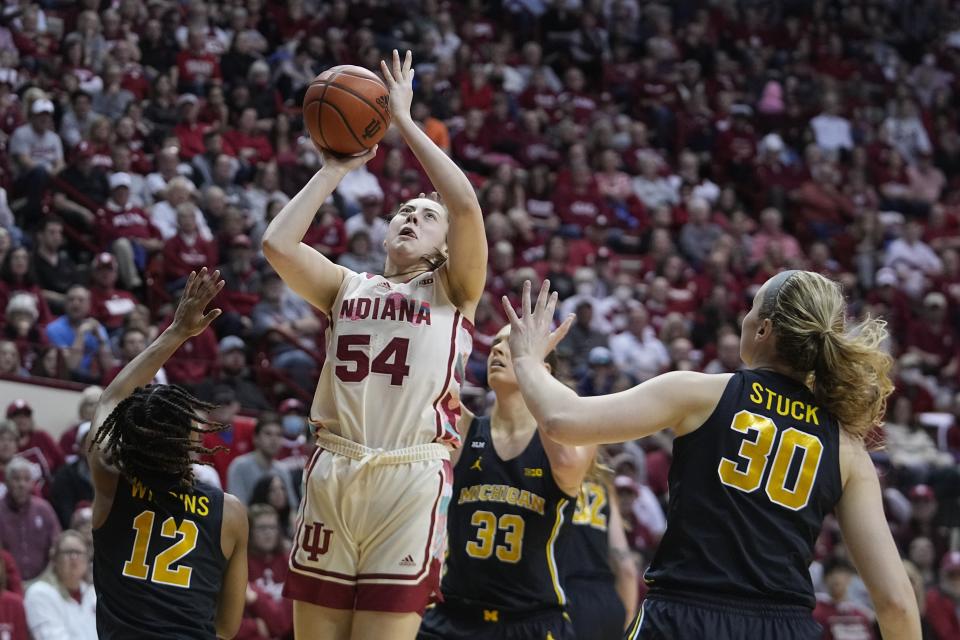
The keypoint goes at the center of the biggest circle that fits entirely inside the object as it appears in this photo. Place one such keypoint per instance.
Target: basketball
(346, 110)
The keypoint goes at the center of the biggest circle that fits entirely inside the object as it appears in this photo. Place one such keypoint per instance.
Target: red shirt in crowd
(266, 576)
(578, 206)
(197, 67)
(111, 306)
(942, 615)
(843, 620)
(237, 141)
(195, 360)
(580, 105)
(14, 582)
(329, 237)
(544, 99)
(135, 81)
(182, 255)
(13, 618)
(131, 222)
(41, 449)
(476, 97)
(190, 136)
(470, 148)
(238, 440)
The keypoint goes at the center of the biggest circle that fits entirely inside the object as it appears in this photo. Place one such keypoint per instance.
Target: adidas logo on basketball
(408, 561)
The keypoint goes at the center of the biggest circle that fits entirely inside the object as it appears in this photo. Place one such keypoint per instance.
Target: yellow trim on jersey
(634, 632)
(551, 562)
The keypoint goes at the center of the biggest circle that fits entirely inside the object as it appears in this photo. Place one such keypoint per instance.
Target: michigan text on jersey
(502, 493)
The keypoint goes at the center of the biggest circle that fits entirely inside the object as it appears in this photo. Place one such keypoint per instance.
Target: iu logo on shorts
(312, 540)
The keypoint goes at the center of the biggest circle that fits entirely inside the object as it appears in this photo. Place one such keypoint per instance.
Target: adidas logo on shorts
(408, 561)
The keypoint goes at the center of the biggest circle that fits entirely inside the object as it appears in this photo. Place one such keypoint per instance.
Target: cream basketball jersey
(395, 362)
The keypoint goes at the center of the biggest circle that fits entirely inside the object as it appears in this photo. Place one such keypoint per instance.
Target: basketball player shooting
(371, 527)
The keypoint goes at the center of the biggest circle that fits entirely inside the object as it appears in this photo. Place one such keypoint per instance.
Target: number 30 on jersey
(756, 453)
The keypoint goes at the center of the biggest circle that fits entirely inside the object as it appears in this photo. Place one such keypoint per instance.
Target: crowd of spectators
(657, 161)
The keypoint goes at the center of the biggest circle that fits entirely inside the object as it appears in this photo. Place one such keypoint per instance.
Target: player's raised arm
(303, 268)
(867, 535)
(466, 268)
(569, 464)
(681, 400)
(189, 320)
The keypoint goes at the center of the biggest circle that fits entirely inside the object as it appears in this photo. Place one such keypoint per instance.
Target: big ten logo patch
(316, 540)
(535, 472)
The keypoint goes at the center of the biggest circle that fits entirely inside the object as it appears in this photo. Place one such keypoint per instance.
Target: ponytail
(846, 369)
(852, 376)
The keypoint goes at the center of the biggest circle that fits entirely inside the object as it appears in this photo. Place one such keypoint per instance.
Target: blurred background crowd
(657, 161)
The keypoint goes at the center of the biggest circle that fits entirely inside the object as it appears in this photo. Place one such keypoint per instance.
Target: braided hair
(148, 436)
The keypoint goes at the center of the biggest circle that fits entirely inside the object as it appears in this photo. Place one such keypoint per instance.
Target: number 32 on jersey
(755, 453)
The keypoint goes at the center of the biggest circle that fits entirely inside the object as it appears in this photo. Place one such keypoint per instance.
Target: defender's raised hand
(201, 289)
(530, 334)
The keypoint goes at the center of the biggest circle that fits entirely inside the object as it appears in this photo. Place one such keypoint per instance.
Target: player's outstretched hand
(530, 334)
(346, 164)
(399, 80)
(201, 289)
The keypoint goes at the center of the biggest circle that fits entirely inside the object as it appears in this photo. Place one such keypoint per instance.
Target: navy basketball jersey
(594, 605)
(506, 526)
(748, 493)
(587, 552)
(158, 564)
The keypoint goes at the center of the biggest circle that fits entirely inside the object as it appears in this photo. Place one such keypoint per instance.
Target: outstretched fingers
(209, 317)
(387, 76)
(525, 300)
(209, 286)
(561, 332)
(397, 66)
(511, 314)
(188, 288)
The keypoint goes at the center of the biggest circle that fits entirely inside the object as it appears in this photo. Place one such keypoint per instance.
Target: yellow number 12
(136, 566)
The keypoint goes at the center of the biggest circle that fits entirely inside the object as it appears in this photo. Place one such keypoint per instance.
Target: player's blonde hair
(846, 369)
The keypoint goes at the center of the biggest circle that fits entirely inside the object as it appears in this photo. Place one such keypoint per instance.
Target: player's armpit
(568, 464)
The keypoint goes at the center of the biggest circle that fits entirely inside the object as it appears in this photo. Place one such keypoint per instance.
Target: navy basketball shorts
(595, 609)
(443, 622)
(687, 618)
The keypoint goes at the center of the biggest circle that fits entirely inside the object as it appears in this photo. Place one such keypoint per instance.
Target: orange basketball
(346, 110)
